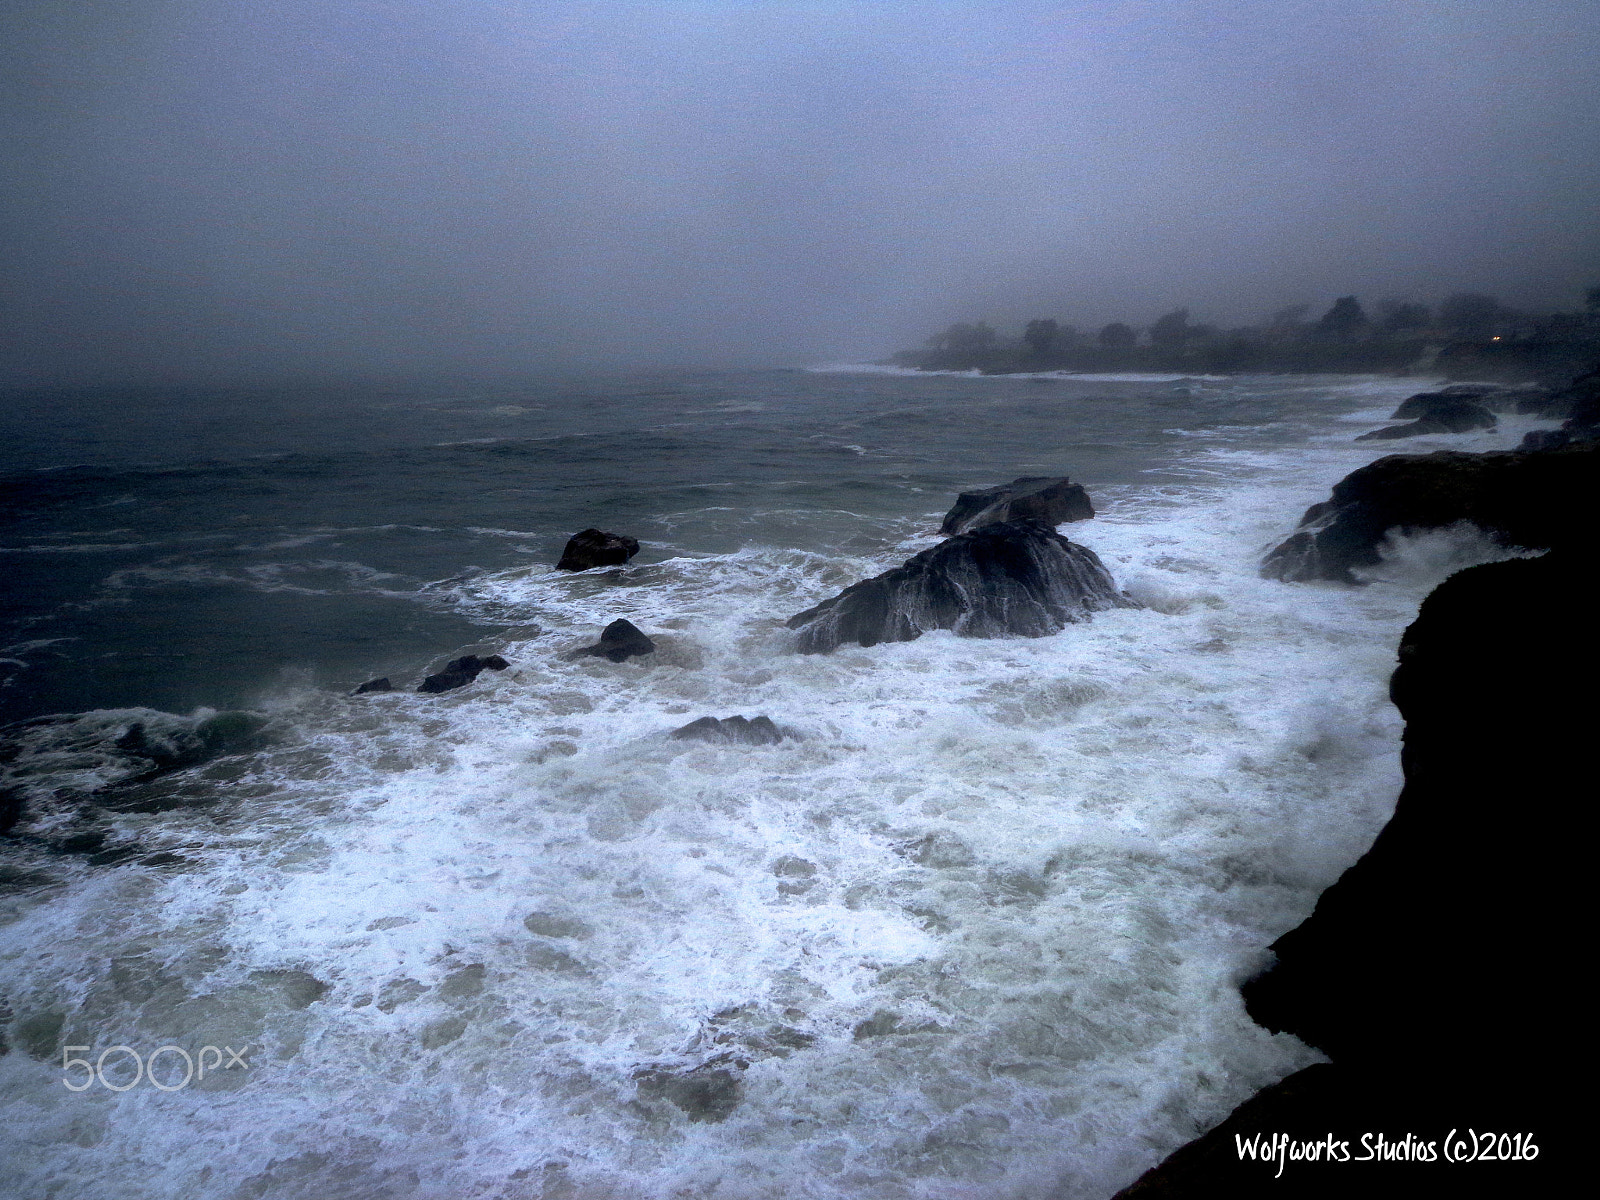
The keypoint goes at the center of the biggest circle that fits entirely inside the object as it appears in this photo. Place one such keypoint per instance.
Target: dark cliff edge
(1438, 973)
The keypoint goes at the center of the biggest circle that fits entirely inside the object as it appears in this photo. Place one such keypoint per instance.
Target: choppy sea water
(976, 932)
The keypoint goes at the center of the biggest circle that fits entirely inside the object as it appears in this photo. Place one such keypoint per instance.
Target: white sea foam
(976, 933)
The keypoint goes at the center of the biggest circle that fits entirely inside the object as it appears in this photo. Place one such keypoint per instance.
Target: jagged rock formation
(1014, 578)
(596, 548)
(757, 731)
(380, 684)
(620, 640)
(459, 672)
(1046, 500)
(1531, 499)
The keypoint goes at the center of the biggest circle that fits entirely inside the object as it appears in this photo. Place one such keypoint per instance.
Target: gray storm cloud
(239, 190)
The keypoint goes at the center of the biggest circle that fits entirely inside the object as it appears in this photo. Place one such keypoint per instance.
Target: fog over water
(231, 191)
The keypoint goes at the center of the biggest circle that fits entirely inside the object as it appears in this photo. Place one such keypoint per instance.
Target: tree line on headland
(1467, 334)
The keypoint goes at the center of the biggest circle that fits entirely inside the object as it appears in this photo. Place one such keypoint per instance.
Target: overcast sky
(238, 189)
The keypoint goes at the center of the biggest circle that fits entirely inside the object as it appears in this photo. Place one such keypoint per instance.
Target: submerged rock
(757, 731)
(1048, 500)
(175, 747)
(459, 672)
(1530, 499)
(620, 640)
(596, 548)
(708, 1093)
(297, 989)
(1439, 413)
(1014, 578)
(102, 759)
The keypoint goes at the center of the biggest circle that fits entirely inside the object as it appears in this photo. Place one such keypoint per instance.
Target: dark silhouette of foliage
(1041, 336)
(1472, 316)
(1402, 317)
(1481, 339)
(1344, 322)
(1118, 336)
(1172, 329)
(964, 338)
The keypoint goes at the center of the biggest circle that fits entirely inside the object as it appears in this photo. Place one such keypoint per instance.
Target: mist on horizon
(233, 191)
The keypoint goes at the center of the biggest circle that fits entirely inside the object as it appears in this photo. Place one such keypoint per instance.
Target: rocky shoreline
(1430, 972)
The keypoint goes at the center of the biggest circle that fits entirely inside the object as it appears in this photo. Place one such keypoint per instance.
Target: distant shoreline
(1503, 362)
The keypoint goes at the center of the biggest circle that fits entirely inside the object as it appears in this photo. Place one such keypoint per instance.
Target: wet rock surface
(1045, 499)
(1014, 578)
(1496, 397)
(619, 641)
(1530, 499)
(459, 672)
(1440, 414)
(596, 548)
(754, 731)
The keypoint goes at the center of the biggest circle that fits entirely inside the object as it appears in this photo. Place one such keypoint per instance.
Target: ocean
(975, 930)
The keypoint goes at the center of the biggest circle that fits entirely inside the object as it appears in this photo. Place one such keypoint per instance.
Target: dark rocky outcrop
(757, 731)
(1580, 404)
(1535, 500)
(1463, 875)
(620, 640)
(1014, 578)
(381, 684)
(1438, 972)
(1576, 400)
(461, 671)
(1044, 499)
(1436, 412)
(596, 548)
(1496, 397)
